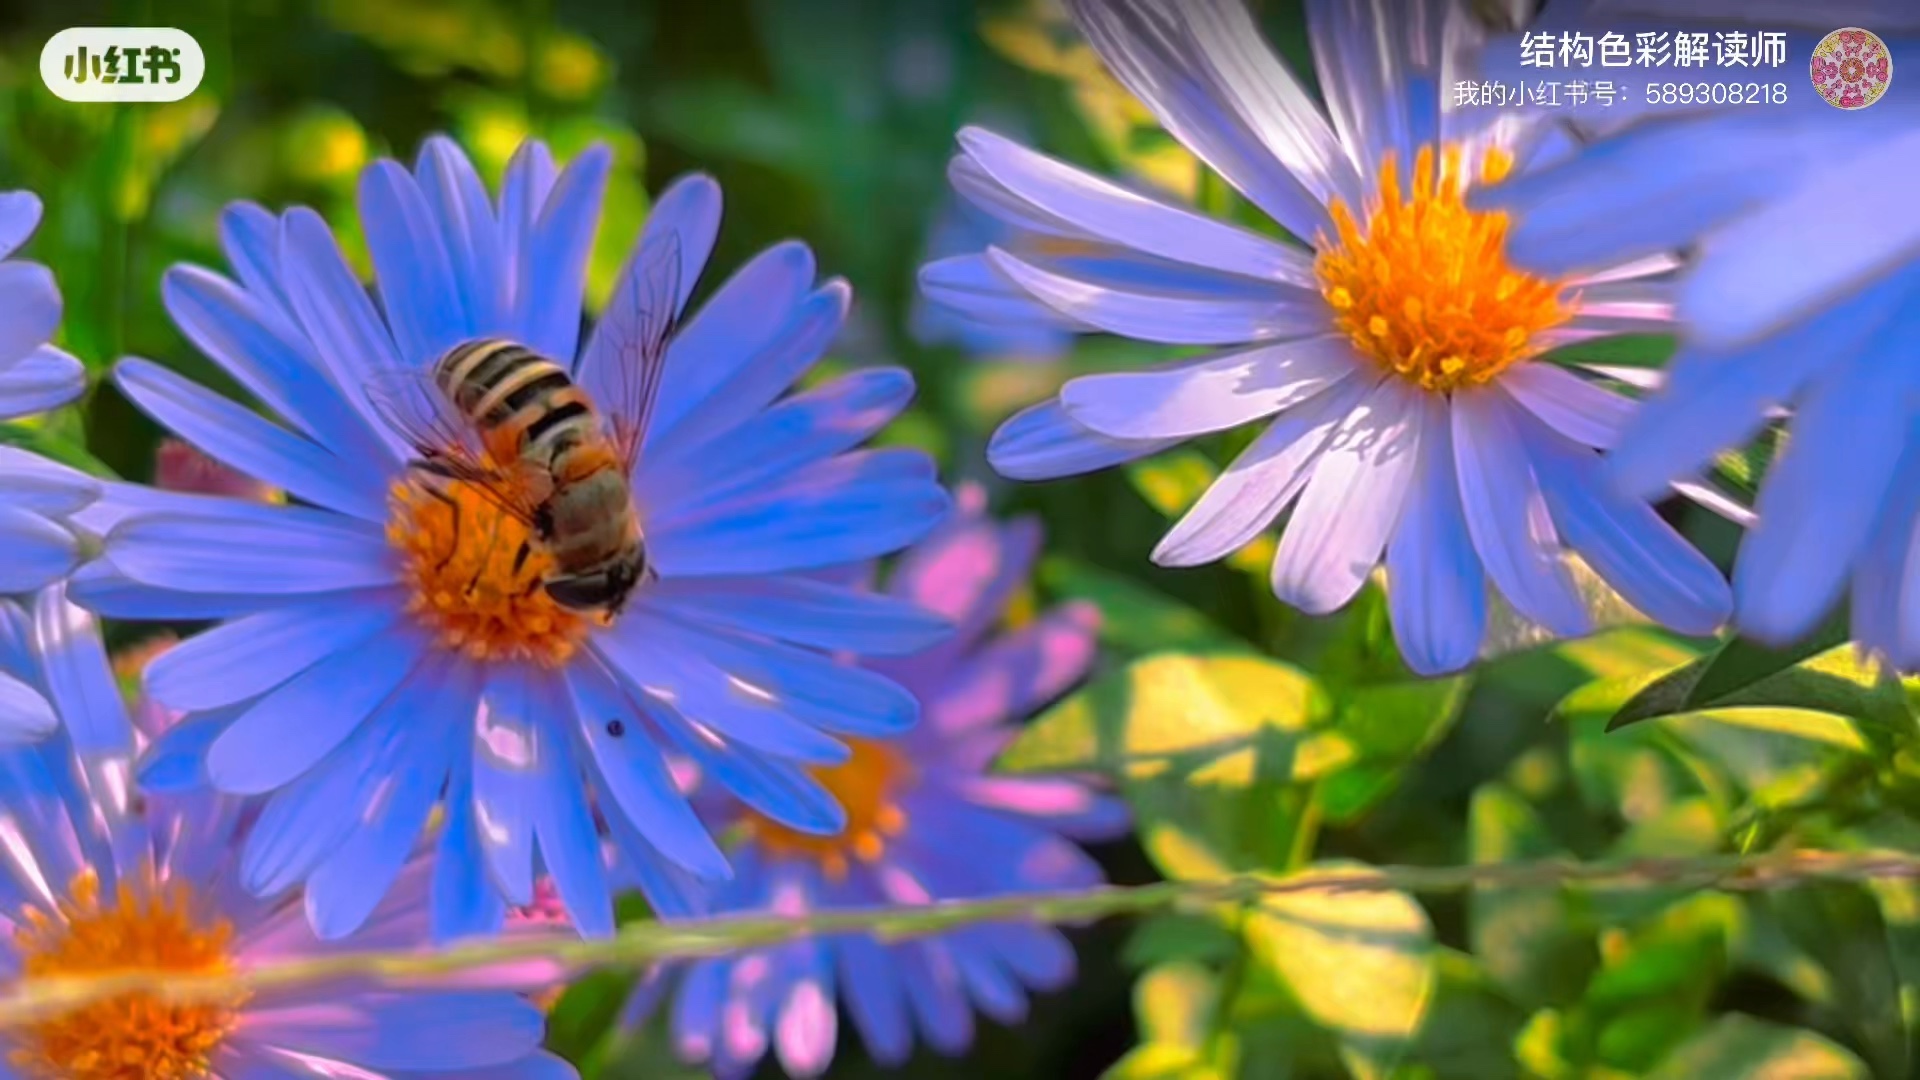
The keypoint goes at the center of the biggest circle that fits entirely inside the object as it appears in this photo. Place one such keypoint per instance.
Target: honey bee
(519, 429)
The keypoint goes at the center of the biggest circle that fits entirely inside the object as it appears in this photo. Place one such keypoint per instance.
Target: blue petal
(1210, 393)
(937, 995)
(103, 589)
(418, 292)
(870, 985)
(19, 216)
(1821, 497)
(815, 688)
(246, 547)
(292, 728)
(806, 427)
(569, 842)
(853, 507)
(176, 760)
(687, 216)
(247, 657)
(465, 221)
(972, 287)
(665, 663)
(1039, 955)
(1094, 205)
(1234, 126)
(766, 374)
(1043, 443)
(696, 1011)
(775, 788)
(269, 355)
(1716, 400)
(250, 236)
(339, 317)
(240, 439)
(418, 1030)
(79, 678)
(33, 551)
(45, 378)
(523, 191)
(1507, 517)
(1626, 541)
(741, 319)
(632, 772)
(346, 888)
(465, 902)
(509, 750)
(29, 309)
(996, 992)
(36, 484)
(399, 751)
(1654, 188)
(25, 716)
(802, 611)
(1170, 318)
(1261, 481)
(552, 268)
(1436, 587)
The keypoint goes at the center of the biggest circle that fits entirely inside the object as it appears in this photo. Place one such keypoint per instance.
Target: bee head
(605, 589)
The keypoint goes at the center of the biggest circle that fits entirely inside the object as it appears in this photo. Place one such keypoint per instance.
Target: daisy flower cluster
(508, 606)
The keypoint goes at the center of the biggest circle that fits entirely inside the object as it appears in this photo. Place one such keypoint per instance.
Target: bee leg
(520, 557)
(453, 507)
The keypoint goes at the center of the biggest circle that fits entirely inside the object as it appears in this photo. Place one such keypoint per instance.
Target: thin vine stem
(653, 942)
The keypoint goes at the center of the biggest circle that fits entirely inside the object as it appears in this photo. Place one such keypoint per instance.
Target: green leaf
(1201, 716)
(1532, 942)
(1133, 617)
(1737, 1047)
(1207, 749)
(41, 440)
(1840, 926)
(1833, 682)
(1360, 964)
(1471, 1026)
(1167, 938)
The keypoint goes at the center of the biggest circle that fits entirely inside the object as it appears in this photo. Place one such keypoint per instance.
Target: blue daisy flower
(34, 376)
(385, 643)
(1412, 416)
(1793, 296)
(98, 882)
(926, 821)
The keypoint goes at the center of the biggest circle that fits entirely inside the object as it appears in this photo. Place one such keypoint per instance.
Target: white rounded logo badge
(122, 63)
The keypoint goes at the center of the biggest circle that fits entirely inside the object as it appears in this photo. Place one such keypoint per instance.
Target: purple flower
(1412, 417)
(100, 882)
(383, 647)
(1801, 290)
(926, 821)
(36, 547)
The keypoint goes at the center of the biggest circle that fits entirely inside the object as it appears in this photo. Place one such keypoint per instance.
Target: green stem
(652, 942)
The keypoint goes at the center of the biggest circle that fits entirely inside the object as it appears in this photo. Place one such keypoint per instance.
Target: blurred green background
(832, 121)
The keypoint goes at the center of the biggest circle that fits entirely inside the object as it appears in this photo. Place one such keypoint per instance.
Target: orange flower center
(470, 583)
(1425, 289)
(867, 786)
(134, 1036)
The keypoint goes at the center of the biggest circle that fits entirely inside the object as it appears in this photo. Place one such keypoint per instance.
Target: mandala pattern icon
(1852, 68)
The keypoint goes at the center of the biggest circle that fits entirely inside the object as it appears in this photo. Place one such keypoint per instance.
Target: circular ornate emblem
(1851, 68)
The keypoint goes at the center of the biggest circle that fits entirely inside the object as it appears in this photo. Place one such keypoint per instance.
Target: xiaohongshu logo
(1851, 68)
(122, 63)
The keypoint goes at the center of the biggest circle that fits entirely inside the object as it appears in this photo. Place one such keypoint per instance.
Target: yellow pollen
(867, 786)
(1424, 287)
(465, 585)
(134, 1036)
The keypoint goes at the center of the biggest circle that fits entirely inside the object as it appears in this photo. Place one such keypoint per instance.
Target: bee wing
(640, 320)
(446, 443)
